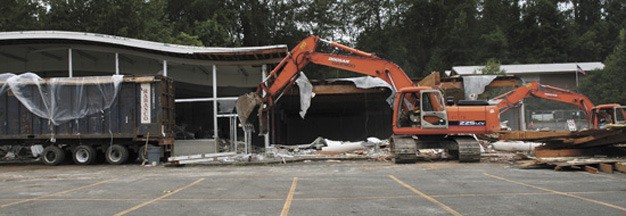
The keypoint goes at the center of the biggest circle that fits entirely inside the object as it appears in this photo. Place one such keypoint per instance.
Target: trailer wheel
(116, 154)
(84, 155)
(143, 153)
(52, 155)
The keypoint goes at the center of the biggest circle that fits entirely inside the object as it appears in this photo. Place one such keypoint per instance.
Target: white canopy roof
(533, 68)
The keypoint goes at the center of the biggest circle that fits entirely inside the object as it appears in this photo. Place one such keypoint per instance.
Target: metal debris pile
(320, 149)
(372, 148)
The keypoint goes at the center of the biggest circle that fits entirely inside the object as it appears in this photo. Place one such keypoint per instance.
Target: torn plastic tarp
(62, 99)
(306, 93)
(475, 85)
(366, 82)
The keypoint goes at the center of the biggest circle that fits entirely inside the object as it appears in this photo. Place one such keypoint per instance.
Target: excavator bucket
(246, 105)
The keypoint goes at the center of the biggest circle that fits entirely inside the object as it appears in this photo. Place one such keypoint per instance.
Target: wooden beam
(52, 56)
(458, 84)
(14, 57)
(620, 167)
(503, 83)
(126, 59)
(591, 169)
(243, 71)
(533, 135)
(86, 55)
(606, 168)
(342, 89)
(548, 153)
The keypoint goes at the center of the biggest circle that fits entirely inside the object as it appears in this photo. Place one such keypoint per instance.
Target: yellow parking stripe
(292, 190)
(423, 195)
(55, 194)
(557, 192)
(158, 198)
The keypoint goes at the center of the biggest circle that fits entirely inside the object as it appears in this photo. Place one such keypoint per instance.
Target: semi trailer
(116, 118)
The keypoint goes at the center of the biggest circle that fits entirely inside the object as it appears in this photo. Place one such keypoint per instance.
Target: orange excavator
(597, 116)
(421, 118)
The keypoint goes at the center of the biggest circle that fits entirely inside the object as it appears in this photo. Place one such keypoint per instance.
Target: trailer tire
(117, 154)
(84, 155)
(143, 154)
(52, 155)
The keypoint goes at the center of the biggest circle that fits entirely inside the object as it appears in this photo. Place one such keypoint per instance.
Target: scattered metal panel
(190, 159)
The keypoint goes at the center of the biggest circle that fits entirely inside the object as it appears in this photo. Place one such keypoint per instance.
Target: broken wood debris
(591, 165)
(566, 140)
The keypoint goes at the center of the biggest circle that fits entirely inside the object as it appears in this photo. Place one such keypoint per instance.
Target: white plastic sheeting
(366, 82)
(475, 85)
(306, 93)
(62, 99)
(515, 145)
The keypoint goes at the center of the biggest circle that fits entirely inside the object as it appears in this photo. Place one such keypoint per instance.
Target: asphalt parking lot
(315, 188)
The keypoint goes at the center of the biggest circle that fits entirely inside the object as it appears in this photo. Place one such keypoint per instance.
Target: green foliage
(419, 35)
(19, 15)
(607, 86)
(130, 18)
(492, 67)
(186, 39)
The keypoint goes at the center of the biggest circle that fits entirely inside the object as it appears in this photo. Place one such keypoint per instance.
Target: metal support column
(117, 64)
(164, 67)
(215, 134)
(70, 68)
(522, 116)
(266, 137)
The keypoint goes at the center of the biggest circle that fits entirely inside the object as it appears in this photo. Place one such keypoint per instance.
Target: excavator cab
(620, 114)
(608, 115)
(422, 109)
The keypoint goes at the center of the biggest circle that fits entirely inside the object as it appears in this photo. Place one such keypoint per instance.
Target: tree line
(419, 35)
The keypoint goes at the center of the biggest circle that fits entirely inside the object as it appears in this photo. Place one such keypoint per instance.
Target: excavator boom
(534, 89)
(419, 111)
(284, 75)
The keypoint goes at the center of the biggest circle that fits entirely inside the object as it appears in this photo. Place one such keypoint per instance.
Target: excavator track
(469, 149)
(404, 149)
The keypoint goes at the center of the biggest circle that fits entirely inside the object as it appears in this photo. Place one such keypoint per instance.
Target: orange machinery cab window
(424, 109)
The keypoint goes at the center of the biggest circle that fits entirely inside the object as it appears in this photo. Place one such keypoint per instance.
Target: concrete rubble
(320, 149)
(332, 150)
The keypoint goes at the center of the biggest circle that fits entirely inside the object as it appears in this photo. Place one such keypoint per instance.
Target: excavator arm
(534, 89)
(284, 75)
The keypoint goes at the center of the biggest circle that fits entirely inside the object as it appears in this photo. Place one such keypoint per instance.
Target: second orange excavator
(421, 118)
(597, 116)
